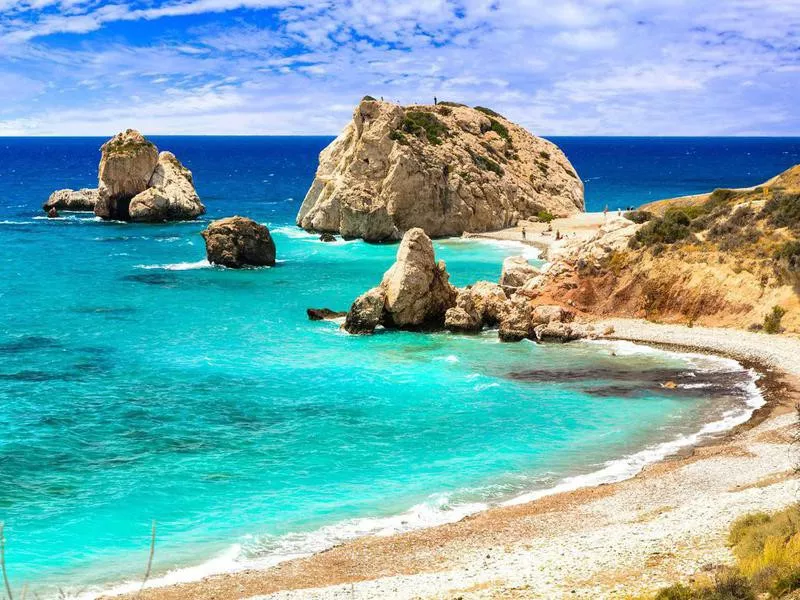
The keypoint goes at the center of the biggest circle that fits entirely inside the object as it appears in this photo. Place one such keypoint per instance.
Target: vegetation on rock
(424, 123)
(772, 322)
(489, 112)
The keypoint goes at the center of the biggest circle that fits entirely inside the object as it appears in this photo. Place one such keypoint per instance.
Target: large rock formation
(237, 242)
(446, 169)
(136, 183)
(82, 200)
(414, 293)
(170, 196)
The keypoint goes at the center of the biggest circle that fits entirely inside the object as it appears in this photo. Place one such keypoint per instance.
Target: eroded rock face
(465, 316)
(517, 271)
(127, 163)
(481, 305)
(417, 289)
(516, 322)
(170, 196)
(82, 200)
(237, 242)
(445, 169)
(366, 313)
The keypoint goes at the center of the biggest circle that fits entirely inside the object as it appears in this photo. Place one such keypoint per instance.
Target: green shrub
(544, 155)
(719, 199)
(677, 591)
(368, 99)
(487, 164)
(444, 110)
(783, 210)
(545, 216)
(419, 123)
(728, 586)
(638, 216)
(398, 136)
(500, 129)
(452, 104)
(738, 238)
(489, 112)
(772, 322)
(673, 227)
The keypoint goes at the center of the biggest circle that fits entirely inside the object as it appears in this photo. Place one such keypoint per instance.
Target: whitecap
(181, 266)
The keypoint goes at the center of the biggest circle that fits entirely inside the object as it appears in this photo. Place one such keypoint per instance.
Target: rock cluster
(237, 242)
(82, 200)
(135, 183)
(415, 293)
(446, 168)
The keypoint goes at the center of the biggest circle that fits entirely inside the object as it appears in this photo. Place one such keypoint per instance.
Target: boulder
(558, 332)
(127, 163)
(82, 200)
(516, 322)
(517, 271)
(170, 196)
(323, 314)
(366, 312)
(445, 169)
(465, 316)
(551, 313)
(327, 237)
(417, 289)
(490, 300)
(237, 242)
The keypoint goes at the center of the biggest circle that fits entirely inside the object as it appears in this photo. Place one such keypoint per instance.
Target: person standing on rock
(523, 233)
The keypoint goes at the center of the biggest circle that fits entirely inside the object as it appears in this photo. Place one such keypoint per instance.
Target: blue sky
(594, 67)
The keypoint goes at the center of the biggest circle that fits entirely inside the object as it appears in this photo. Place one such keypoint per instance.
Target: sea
(141, 386)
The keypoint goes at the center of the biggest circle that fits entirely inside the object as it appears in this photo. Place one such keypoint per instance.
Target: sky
(558, 67)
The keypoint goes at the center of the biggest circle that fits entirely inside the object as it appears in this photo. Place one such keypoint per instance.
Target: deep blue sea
(137, 383)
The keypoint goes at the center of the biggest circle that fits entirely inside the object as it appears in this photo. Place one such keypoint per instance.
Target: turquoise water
(137, 383)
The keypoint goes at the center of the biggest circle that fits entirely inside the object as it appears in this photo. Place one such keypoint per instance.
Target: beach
(666, 523)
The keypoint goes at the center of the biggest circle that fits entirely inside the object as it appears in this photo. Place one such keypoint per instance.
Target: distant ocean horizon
(139, 383)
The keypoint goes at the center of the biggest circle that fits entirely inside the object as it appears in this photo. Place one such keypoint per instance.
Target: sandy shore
(666, 523)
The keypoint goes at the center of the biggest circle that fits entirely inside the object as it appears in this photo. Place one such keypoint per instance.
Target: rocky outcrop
(136, 183)
(477, 306)
(366, 313)
(517, 271)
(82, 200)
(444, 169)
(127, 163)
(324, 314)
(237, 242)
(414, 293)
(170, 196)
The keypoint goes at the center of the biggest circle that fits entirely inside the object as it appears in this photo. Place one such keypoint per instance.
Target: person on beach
(605, 213)
(558, 234)
(523, 233)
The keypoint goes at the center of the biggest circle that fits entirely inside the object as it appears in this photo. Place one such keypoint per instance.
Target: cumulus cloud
(280, 66)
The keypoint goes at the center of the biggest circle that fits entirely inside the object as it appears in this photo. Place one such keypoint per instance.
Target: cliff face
(720, 259)
(446, 169)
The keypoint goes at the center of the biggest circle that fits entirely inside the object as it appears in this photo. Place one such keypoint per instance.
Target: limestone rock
(170, 196)
(516, 322)
(417, 289)
(445, 169)
(327, 237)
(237, 242)
(517, 271)
(551, 313)
(557, 332)
(366, 313)
(82, 200)
(465, 316)
(127, 163)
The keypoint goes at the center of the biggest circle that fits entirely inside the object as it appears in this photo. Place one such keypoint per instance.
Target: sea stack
(237, 242)
(444, 168)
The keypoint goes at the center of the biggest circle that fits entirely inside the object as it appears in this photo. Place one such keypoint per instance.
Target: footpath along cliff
(444, 168)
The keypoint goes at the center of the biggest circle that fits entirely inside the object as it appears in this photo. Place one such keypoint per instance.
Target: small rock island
(136, 183)
(445, 168)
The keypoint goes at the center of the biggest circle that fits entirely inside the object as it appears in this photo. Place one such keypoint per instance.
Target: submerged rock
(323, 314)
(127, 163)
(327, 237)
(238, 242)
(82, 200)
(445, 169)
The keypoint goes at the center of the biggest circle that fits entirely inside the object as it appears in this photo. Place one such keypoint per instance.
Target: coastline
(463, 556)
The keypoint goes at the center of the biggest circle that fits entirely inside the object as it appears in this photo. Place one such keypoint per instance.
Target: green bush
(452, 104)
(544, 155)
(677, 591)
(368, 99)
(638, 216)
(500, 129)
(719, 199)
(398, 136)
(772, 322)
(783, 210)
(673, 227)
(420, 122)
(728, 586)
(545, 216)
(489, 112)
(487, 164)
